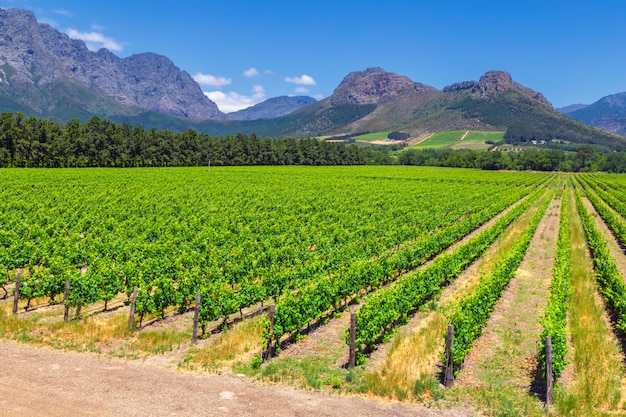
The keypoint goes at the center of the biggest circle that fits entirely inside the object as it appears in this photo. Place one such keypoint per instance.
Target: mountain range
(608, 113)
(46, 74)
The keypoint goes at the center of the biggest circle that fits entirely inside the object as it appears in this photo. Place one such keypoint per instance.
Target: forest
(32, 142)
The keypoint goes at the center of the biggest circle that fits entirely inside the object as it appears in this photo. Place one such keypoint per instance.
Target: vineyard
(268, 267)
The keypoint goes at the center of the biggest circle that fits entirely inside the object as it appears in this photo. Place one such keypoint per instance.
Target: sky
(242, 52)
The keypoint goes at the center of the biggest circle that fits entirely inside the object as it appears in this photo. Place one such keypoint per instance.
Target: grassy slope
(440, 140)
(373, 136)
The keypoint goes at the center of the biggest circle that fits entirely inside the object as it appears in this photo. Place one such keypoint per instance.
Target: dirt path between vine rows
(506, 353)
(45, 382)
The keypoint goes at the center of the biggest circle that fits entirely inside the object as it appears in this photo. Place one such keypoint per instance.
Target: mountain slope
(36, 61)
(608, 113)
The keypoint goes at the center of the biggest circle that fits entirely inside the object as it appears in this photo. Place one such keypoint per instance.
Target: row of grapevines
(238, 236)
(612, 184)
(614, 220)
(38, 238)
(554, 319)
(382, 309)
(470, 316)
(221, 301)
(608, 277)
(296, 310)
(276, 282)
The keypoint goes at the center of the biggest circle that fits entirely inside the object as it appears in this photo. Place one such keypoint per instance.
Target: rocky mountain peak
(373, 86)
(35, 58)
(493, 82)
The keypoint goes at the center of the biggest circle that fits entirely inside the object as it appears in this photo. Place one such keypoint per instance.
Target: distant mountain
(45, 73)
(272, 108)
(375, 100)
(572, 108)
(608, 113)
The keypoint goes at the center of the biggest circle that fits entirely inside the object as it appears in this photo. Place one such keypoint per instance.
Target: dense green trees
(30, 142)
(585, 159)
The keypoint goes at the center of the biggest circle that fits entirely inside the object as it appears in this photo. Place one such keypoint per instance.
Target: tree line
(32, 142)
(584, 159)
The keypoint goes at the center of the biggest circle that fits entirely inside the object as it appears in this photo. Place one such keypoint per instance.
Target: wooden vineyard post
(196, 315)
(131, 320)
(268, 352)
(449, 376)
(66, 301)
(16, 293)
(352, 352)
(549, 381)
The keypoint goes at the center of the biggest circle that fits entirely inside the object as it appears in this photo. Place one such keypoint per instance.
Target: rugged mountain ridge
(374, 86)
(494, 82)
(36, 59)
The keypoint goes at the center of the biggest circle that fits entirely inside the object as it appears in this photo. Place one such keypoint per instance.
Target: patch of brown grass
(237, 344)
(414, 352)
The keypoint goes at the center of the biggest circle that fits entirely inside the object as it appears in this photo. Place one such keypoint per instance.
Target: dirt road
(44, 382)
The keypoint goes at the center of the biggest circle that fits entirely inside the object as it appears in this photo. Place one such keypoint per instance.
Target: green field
(452, 139)
(370, 137)
(440, 140)
(478, 140)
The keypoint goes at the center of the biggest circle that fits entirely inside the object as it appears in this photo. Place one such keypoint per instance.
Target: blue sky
(245, 51)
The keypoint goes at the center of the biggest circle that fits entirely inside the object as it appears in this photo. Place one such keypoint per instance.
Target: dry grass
(414, 352)
(101, 333)
(238, 344)
(47, 328)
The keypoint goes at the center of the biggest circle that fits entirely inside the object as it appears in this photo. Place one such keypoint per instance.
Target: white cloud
(303, 80)
(232, 101)
(211, 80)
(318, 96)
(302, 90)
(252, 72)
(63, 12)
(95, 40)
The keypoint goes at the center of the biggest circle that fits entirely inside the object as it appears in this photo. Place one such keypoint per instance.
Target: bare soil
(44, 382)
